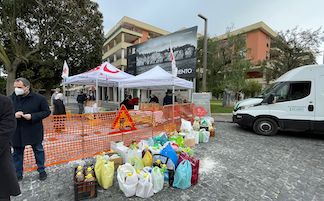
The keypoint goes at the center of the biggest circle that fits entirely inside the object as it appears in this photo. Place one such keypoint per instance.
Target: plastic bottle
(131, 179)
(196, 124)
(79, 177)
(88, 171)
(79, 169)
(157, 163)
(165, 172)
(89, 178)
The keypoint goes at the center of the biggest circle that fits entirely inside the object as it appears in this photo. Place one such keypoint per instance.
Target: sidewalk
(222, 117)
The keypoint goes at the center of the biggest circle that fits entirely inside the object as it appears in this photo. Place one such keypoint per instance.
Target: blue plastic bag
(169, 152)
(182, 177)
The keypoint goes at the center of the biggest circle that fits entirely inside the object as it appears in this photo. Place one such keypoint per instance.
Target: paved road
(236, 165)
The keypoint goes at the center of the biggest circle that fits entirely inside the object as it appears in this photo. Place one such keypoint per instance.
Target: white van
(294, 102)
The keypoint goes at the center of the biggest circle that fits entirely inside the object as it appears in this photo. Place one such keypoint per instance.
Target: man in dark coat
(8, 182)
(81, 98)
(154, 99)
(167, 100)
(31, 109)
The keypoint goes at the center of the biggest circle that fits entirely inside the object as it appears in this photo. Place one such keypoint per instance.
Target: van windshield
(270, 89)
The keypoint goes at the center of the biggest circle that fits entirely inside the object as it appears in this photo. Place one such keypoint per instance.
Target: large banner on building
(142, 57)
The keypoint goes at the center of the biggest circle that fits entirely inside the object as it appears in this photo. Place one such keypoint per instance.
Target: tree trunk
(10, 81)
(12, 70)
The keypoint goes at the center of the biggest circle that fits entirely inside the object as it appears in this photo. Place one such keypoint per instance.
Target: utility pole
(204, 89)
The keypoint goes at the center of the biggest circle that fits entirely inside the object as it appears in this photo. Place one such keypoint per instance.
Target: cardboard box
(117, 161)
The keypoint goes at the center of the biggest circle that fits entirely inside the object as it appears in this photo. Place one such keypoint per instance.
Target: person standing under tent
(154, 99)
(81, 98)
(167, 100)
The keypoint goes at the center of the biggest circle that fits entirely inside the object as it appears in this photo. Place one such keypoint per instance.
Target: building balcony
(117, 35)
(120, 62)
(119, 46)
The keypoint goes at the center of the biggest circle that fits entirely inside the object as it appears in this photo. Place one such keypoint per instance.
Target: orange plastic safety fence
(73, 136)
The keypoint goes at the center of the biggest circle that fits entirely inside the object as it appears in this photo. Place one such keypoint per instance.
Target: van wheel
(265, 126)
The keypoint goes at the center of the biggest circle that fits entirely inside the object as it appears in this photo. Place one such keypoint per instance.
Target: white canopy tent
(103, 75)
(156, 78)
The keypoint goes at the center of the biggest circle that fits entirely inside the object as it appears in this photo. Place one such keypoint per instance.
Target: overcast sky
(172, 15)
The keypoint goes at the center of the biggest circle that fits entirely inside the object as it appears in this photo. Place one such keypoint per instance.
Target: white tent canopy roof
(106, 75)
(156, 78)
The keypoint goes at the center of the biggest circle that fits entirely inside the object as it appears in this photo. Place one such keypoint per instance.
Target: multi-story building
(258, 43)
(125, 33)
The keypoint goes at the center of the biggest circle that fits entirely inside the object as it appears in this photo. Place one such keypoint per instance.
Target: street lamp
(205, 54)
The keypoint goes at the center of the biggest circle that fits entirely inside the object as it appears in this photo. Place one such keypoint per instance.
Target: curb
(223, 114)
(223, 121)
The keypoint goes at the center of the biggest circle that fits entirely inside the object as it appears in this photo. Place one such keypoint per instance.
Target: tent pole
(97, 92)
(173, 99)
(65, 97)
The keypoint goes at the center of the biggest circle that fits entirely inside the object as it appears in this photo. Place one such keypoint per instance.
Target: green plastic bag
(157, 179)
(187, 150)
(178, 140)
(201, 136)
(137, 163)
(161, 139)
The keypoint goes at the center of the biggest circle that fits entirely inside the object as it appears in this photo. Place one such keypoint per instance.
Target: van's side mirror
(270, 99)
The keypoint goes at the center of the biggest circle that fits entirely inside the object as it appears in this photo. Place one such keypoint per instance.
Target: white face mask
(19, 91)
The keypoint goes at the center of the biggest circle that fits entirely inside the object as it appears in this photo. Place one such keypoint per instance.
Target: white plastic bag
(157, 179)
(155, 150)
(127, 179)
(210, 120)
(196, 135)
(142, 144)
(185, 126)
(132, 153)
(121, 149)
(206, 135)
(190, 139)
(145, 185)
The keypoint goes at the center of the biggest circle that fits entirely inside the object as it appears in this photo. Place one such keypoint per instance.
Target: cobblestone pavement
(235, 165)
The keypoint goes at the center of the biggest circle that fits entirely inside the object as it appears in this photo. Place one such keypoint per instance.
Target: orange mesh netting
(74, 136)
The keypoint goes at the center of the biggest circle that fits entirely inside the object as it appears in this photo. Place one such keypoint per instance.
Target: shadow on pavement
(304, 135)
(288, 134)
